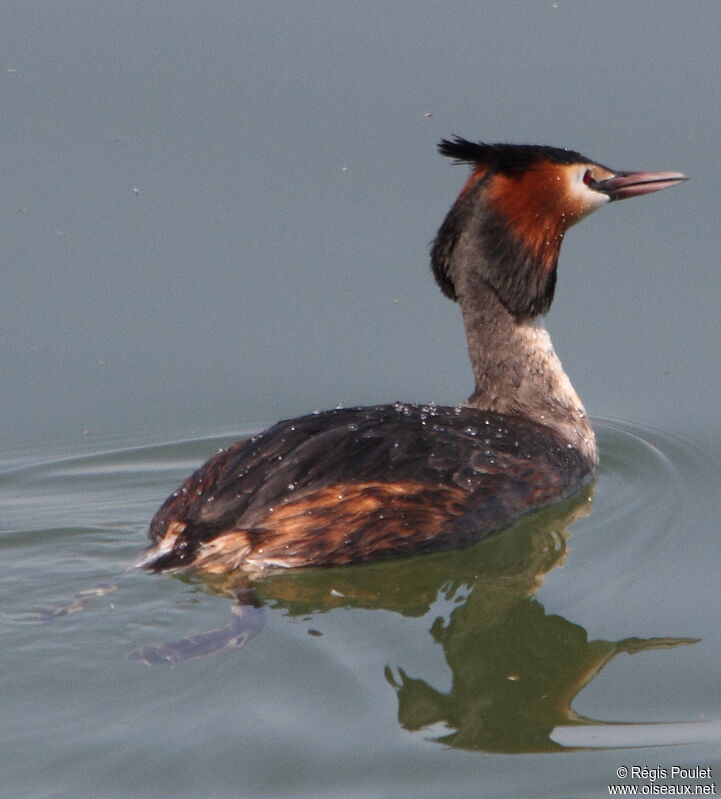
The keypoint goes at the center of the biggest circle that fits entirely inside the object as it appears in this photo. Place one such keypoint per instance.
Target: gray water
(218, 215)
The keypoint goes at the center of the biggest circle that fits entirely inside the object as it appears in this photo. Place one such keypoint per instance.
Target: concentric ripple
(649, 484)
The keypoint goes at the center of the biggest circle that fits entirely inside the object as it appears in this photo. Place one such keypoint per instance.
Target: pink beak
(633, 184)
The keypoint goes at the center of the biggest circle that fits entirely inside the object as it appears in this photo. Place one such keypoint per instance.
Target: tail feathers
(172, 550)
(184, 547)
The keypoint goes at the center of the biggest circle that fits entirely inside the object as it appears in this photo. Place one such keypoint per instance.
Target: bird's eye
(588, 177)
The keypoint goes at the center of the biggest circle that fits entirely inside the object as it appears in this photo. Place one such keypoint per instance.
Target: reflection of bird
(360, 484)
(514, 677)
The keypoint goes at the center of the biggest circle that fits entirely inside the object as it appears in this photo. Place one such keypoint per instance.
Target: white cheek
(584, 199)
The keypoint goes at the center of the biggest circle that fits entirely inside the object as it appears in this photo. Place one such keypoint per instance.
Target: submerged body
(360, 484)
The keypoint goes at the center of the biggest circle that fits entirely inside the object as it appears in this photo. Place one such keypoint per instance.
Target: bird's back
(359, 484)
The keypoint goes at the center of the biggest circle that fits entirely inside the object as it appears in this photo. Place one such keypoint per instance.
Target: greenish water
(582, 632)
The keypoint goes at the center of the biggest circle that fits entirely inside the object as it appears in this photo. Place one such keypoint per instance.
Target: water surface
(542, 639)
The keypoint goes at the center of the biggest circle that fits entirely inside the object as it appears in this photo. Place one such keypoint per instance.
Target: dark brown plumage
(360, 484)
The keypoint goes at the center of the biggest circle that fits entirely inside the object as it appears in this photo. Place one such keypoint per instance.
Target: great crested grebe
(359, 484)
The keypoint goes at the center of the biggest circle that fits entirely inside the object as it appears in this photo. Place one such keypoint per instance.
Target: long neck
(515, 367)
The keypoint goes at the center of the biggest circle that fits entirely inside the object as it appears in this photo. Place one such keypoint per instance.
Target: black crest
(506, 158)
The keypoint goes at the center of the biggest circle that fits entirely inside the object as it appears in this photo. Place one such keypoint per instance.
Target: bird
(361, 484)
